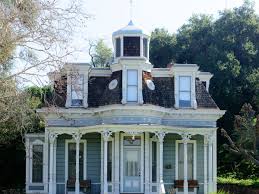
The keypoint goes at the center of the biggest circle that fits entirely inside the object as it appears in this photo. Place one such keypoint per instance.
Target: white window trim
(36, 142)
(111, 139)
(154, 139)
(179, 90)
(177, 76)
(125, 84)
(84, 141)
(122, 162)
(194, 142)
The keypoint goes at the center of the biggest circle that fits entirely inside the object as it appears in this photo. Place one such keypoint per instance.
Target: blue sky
(110, 15)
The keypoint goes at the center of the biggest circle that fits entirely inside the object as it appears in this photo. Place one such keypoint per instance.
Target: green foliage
(240, 182)
(227, 47)
(162, 45)
(220, 192)
(101, 55)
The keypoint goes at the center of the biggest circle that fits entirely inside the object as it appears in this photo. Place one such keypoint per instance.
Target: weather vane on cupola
(131, 10)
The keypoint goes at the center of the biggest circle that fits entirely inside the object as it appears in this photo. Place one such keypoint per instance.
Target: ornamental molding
(106, 134)
(77, 136)
(52, 136)
(186, 137)
(160, 135)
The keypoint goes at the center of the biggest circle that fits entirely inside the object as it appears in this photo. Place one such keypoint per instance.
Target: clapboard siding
(169, 160)
(93, 160)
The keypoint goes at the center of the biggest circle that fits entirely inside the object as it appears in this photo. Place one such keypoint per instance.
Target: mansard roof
(163, 95)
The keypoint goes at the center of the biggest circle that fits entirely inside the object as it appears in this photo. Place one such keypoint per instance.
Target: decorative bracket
(160, 135)
(52, 137)
(77, 136)
(186, 137)
(106, 134)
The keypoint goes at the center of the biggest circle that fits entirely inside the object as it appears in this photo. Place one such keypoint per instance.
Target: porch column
(52, 138)
(77, 137)
(215, 162)
(210, 163)
(205, 164)
(117, 163)
(106, 134)
(147, 161)
(160, 136)
(185, 137)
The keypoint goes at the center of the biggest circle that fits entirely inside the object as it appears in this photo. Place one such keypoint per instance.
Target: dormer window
(185, 91)
(77, 84)
(132, 85)
(131, 46)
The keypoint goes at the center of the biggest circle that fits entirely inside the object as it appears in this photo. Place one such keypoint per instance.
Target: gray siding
(93, 160)
(169, 160)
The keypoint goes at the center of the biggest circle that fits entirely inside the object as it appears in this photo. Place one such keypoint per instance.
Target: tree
(100, 54)
(227, 47)
(246, 134)
(34, 38)
(162, 48)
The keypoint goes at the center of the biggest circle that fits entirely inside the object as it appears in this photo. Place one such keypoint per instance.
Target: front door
(132, 169)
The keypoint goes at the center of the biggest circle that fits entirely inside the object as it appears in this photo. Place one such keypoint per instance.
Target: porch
(139, 159)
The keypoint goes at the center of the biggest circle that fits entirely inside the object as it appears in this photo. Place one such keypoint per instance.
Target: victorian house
(129, 128)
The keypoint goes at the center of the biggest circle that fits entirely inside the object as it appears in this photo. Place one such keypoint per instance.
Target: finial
(131, 9)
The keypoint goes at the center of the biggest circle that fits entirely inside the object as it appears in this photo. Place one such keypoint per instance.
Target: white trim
(147, 162)
(117, 163)
(194, 142)
(101, 177)
(111, 139)
(154, 139)
(36, 142)
(215, 162)
(84, 141)
(122, 163)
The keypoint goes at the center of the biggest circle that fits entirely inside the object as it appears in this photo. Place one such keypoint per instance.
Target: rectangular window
(118, 47)
(131, 46)
(132, 85)
(72, 161)
(190, 161)
(37, 163)
(185, 91)
(77, 84)
(145, 47)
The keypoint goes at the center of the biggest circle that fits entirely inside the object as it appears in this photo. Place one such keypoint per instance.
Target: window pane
(154, 162)
(37, 164)
(72, 161)
(185, 83)
(109, 162)
(118, 47)
(132, 77)
(180, 161)
(145, 47)
(131, 46)
(185, 96)
(77, 90)
(132, 93)
(190, 168)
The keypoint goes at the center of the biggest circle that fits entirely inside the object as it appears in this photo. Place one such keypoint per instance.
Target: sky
(108, 16)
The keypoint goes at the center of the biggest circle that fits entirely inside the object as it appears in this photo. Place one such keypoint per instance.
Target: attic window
(185, 91)
(77, 90)
(131, 46)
